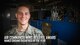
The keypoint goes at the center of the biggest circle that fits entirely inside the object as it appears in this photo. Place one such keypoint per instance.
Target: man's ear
(16, 15)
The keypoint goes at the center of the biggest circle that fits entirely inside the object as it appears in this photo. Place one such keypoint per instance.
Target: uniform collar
(29, 30)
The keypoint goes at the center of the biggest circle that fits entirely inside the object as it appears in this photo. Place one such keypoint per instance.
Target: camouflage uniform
(31, 31)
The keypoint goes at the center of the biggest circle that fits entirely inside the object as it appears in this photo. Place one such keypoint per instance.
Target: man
(24, 28)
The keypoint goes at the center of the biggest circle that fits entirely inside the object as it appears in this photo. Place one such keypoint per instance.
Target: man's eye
(26, 13)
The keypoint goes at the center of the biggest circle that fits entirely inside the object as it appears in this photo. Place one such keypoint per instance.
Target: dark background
(72, 6)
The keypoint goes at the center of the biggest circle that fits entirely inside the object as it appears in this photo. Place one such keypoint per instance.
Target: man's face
(23, 15)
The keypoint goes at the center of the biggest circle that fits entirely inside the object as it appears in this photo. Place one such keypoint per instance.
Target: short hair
(25, 5)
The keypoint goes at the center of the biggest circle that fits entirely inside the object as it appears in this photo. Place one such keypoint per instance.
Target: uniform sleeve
(41, 37)
(42, 40)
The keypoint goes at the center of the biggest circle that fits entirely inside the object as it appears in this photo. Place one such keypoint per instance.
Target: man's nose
(23, 15)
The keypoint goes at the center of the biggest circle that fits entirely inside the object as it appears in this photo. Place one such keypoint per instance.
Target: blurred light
(8, 15)
(47, 24)
(39, 1)
(45, 0)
